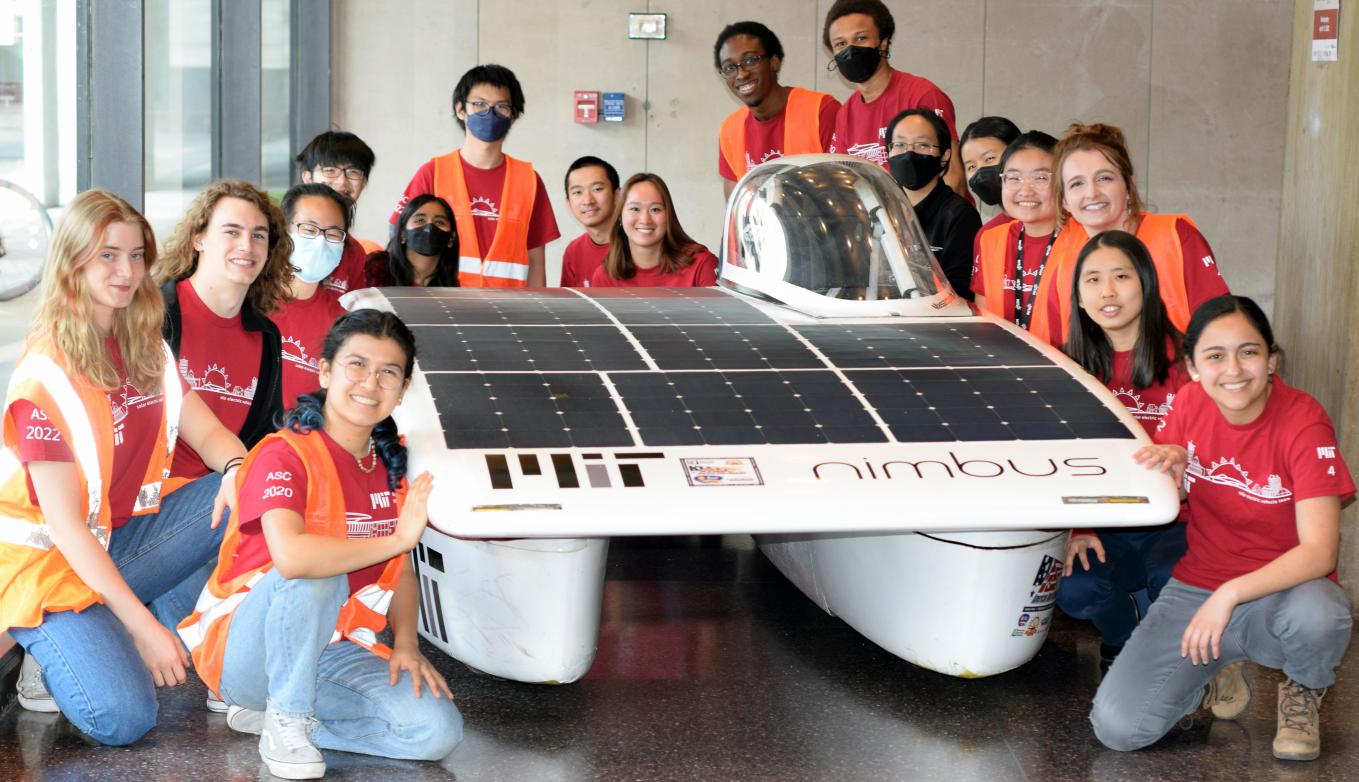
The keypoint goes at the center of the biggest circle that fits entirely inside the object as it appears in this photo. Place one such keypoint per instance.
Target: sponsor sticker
(722, 472)
(1105, 500)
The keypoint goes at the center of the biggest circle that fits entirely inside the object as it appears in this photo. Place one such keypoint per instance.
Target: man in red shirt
(859, 35)
(775, 120)
(591, 189)
(342, 160)
(499, 203)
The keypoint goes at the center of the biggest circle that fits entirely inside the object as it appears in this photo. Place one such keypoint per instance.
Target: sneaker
(1107, 653)
(243, 720)
(285, 746)
(215, 704)
(33, 694)
(1299, 734)
(1230, 691)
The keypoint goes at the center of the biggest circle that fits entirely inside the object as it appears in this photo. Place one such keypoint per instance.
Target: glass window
(276, 150)
(178, 108)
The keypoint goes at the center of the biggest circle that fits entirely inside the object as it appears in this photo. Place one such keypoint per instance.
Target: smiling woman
(649, 248)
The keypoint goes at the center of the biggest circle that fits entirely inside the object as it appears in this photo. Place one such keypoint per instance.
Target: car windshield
(838, 226)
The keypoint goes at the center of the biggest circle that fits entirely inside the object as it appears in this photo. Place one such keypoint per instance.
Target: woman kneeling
(286, 630)
(1265, 482)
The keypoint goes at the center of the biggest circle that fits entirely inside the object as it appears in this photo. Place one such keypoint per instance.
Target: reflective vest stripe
(504, 270)
(509, 245)
(210, 608)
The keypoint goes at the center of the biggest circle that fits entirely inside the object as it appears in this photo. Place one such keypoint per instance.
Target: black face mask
(985, 182)
(428, 239)
(913, 170)
(858, 63)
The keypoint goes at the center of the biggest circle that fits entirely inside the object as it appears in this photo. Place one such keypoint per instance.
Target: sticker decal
(722, 472)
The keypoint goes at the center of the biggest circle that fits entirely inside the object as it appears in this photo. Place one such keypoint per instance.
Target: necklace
(372, 454)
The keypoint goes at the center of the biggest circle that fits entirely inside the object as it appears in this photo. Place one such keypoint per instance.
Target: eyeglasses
(335, 172)
(747, 63)
(1037, 178)
(312, 230)
(358, 372)
(481, 107)
(913, 146)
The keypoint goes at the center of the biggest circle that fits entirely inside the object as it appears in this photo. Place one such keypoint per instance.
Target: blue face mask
(487, 125)
(314, 258)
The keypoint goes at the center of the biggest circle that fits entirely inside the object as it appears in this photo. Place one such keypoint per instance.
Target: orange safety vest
(362, 616)
(801, 129)
(997, 255)
(1157, 232)
(506, 264)
(34, 575)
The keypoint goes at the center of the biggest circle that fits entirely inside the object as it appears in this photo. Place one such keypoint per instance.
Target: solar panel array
(657, 367)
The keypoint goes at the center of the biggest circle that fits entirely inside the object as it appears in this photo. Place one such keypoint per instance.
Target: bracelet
(232, 464)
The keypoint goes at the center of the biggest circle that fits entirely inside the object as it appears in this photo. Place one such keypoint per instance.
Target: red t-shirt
(860, 128)
(1244, 481)
(303, 323)
(580, 260)
(764, 140)
(220, 360)
(1202, 280)
(1035, 247)
(349, 275)
(700, 273)
(1148, 405)
(485, 187)
(278, 479)
(136, 422)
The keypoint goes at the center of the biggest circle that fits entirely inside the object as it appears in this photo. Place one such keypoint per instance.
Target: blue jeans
(89, 662)
(1304, 631)
(278, 653)
(1134, 559)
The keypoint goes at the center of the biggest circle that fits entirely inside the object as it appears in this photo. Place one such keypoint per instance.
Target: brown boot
(1230, 691)
(1299, 733)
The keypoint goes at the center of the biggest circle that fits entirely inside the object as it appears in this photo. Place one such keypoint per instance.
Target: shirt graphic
(1227, 472)
(1144, 411)
(215, 380)
(484, 208)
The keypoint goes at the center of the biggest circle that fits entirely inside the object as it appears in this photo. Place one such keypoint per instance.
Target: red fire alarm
(587, 107)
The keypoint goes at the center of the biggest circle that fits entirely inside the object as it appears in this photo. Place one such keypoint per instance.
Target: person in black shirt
(918, 156)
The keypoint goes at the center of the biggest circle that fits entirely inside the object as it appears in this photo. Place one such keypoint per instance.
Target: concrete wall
(1200, 88)
(1318, 278)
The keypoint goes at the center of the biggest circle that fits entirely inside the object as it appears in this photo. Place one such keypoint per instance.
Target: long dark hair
(677, 247)
(1157, 338)
(399, 267)
(308, 415)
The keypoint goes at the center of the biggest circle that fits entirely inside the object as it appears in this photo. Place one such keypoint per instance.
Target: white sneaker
(33, 694)
(215, 704)
(243, 720)
(285, 746)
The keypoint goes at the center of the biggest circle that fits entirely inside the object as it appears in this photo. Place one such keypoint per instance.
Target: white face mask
(314, 258)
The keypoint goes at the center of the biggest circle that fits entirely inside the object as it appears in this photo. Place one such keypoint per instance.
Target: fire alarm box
(587, 107)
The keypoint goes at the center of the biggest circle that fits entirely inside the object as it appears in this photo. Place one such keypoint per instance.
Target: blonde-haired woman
(96, 566)
(224, 269)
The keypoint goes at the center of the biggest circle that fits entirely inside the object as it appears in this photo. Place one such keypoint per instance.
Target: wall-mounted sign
(1325, 30)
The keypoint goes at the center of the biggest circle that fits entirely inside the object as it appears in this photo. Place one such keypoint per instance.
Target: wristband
(232, 463)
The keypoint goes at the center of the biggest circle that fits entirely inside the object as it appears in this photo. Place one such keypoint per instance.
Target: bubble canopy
(831, 236)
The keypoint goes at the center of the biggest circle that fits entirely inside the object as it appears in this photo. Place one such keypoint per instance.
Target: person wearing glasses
(1011, 276)
(501, 208)
(774, 120)
(858, 34)
(917, 142)
(318, 222)
(315, 565)
(343, 161)
(222, 272)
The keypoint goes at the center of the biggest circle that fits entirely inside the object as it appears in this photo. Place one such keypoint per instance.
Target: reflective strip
(375, 597)
(43, 370)
(173, 401)
(468, 265)
(210, 608)
(364, 637)
(18, 532)
(505, 270)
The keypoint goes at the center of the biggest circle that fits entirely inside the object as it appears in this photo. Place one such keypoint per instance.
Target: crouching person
(1265, 483)
(314, 565)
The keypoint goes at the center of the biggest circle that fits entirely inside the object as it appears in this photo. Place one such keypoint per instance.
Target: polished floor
(712, 667)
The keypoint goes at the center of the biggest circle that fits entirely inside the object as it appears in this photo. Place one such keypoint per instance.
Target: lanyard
(1023, 309)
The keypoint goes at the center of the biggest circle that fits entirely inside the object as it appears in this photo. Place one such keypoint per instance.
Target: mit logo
(1326, 452)
(596, 469)
(1208, 260)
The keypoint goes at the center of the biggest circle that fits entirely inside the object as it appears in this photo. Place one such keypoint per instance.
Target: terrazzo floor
(711, 666)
